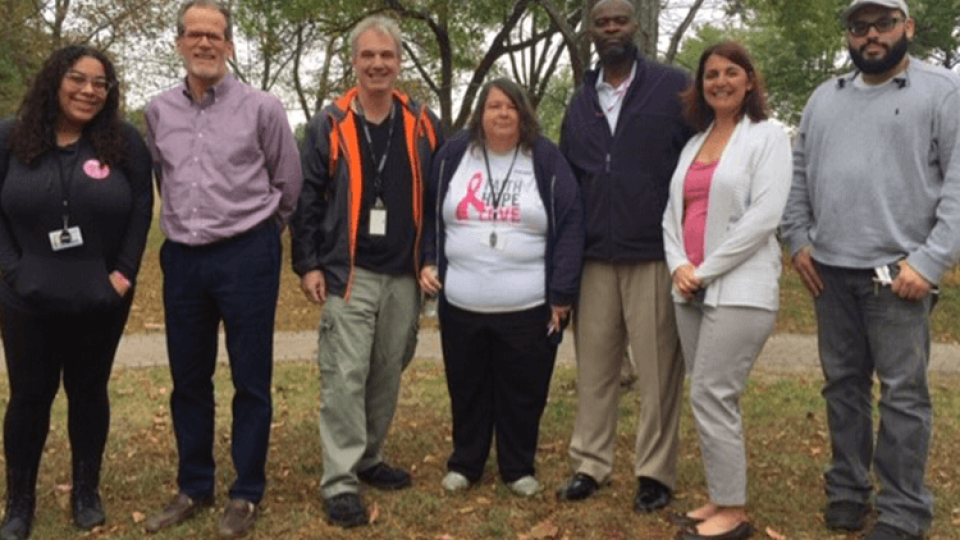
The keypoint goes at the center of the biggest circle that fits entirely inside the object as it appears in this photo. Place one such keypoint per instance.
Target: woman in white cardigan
(726, 198)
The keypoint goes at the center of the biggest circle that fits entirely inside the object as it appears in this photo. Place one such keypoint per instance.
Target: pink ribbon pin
(95, 169)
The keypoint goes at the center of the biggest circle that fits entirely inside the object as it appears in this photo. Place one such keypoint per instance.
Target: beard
(615, 54)
(874, 66)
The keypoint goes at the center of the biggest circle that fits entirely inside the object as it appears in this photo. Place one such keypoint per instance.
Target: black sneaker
(383, 476)
(346, 510)
(18, 519)
(847, 516)
(888, 532)
(87, 509)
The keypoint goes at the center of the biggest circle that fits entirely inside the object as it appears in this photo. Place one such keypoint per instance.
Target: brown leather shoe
(237, 519)
(180, 509)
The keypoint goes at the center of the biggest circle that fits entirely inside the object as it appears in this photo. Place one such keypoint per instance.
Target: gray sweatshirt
(876, 175)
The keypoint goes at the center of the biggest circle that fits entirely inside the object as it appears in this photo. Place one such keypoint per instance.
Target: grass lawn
(786, 437)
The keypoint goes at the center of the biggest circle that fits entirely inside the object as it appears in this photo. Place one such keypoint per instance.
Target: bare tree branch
(678, 33)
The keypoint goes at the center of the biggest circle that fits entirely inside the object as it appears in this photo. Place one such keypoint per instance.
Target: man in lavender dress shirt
(229, 176)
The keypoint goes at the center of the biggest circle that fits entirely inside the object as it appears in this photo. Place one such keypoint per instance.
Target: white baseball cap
(857, 4)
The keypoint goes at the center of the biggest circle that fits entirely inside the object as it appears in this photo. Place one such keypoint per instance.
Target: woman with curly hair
(75, 209)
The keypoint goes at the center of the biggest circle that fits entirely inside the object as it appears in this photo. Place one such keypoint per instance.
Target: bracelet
(122, 278)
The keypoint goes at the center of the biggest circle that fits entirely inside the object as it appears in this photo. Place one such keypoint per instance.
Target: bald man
(622, 134)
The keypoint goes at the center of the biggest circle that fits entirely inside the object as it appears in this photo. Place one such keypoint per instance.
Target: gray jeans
(865, 330)
(364, 345)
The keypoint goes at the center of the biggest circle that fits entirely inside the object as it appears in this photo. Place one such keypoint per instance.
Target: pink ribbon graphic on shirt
(463, 209)
(95, 169)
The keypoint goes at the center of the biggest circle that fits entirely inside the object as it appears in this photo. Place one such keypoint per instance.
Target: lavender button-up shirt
(224, 164)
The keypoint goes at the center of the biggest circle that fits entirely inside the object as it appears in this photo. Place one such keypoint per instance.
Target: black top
(112, 207)
(392, 253)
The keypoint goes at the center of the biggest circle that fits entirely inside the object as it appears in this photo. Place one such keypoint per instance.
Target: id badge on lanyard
(66, 237)
(378, 218)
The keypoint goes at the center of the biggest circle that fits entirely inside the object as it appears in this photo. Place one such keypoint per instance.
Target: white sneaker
(526, 486)
(455, 481)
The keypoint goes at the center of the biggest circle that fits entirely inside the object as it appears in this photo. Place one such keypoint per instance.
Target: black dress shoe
(651, 495)
(741, 532)
(579, 487)
(683, 520)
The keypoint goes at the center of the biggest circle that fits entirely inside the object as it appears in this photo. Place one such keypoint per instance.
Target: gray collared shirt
(224, 164)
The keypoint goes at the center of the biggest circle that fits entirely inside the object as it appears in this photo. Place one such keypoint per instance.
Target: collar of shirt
(218, 91)
(611, 99)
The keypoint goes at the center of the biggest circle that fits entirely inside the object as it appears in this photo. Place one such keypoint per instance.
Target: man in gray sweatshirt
(872, 222)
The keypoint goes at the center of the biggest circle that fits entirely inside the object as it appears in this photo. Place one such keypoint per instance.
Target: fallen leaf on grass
(138, 517)
(374, 513)
(542, 531)
(482, 500)
(775, 535)
(64, 488)
(465, 510)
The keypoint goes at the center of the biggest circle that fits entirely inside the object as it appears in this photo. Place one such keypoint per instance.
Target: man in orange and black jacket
(356, 231)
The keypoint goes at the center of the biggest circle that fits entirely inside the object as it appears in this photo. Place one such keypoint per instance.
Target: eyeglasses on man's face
(883, 25)
(194, 37)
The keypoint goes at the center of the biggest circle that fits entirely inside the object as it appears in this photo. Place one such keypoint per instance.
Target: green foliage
(799, 45)
(553, 104)
(21, 52)
(937, 35)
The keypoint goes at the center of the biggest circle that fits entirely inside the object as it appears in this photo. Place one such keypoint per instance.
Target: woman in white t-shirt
(503, 240)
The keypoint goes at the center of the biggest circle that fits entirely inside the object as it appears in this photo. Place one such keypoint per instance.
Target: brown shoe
(237, 519)
(180, 509)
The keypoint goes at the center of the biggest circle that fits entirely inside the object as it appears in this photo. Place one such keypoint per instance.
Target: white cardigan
(749, 189)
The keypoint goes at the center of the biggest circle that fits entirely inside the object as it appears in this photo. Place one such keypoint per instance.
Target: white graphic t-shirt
(496, 234)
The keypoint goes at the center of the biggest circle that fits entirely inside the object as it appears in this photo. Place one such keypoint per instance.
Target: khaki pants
(364, 345)
(632, 301)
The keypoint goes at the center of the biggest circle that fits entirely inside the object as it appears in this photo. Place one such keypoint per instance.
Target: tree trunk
(648, 12)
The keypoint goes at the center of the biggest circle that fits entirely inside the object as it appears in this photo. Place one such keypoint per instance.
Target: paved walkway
(783, 353)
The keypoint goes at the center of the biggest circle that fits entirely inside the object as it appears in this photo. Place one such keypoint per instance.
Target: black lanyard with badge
(378, 213)
(66, 237)
(497, 198)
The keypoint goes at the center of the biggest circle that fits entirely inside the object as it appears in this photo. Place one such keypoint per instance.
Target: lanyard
(65, 182)
(498, 198)
(382, 162)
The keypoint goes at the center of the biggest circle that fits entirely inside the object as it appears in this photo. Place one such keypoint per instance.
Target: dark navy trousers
(235, 281)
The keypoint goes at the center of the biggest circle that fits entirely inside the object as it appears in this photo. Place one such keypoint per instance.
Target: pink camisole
(696, 195)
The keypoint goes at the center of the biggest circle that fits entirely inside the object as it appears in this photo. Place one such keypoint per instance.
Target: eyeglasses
(79, 80)
(884, 25)
(193, 38)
